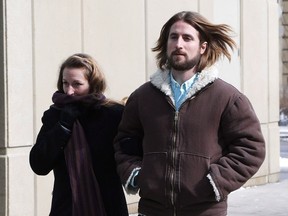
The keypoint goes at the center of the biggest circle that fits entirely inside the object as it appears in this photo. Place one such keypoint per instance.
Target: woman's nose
(70, 90)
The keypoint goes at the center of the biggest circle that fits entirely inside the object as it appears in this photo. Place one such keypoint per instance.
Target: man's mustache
(178, 52)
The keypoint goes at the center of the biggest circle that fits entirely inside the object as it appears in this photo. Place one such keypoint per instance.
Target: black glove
(69, 114)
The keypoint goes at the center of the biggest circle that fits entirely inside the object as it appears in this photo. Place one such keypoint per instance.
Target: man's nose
(179, 43)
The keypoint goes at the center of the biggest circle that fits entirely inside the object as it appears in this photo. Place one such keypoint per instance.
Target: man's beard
(184, 65)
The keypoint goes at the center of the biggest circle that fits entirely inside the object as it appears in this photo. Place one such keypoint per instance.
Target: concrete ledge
(256, 181)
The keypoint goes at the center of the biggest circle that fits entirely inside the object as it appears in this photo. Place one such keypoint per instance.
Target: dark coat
(100, 126)
(215, 134)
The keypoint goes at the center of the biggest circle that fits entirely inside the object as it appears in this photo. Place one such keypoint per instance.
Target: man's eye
(187, 38)
(173, 37)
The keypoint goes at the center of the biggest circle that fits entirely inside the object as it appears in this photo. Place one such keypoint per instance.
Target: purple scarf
(60, 99)
(86, 195)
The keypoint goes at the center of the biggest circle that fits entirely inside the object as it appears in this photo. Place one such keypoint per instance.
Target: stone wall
(36, 36)
(284, 63)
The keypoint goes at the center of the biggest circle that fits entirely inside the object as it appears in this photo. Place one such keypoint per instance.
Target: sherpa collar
(161, 80)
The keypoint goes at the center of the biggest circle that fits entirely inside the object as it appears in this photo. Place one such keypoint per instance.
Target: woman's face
(75, 82)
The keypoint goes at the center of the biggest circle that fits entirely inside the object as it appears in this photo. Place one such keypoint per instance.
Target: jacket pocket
(194, 186)
(152, 177)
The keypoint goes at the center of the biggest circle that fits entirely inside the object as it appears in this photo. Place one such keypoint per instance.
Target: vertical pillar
(16, 109)
(284, 55)
(3, 161)
(273, 93)
(260, 67)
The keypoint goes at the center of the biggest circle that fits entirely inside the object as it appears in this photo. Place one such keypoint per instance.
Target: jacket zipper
(174, 156)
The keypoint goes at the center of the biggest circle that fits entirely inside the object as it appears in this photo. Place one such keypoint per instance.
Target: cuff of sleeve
(64, 135)
(130, 187)
(65, 128)
(216, 191)
(132, 182)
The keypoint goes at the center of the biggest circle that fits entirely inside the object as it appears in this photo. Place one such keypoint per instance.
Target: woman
(76, 142)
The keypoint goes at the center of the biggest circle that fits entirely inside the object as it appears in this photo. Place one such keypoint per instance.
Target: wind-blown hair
(217, 38)
(93, 74)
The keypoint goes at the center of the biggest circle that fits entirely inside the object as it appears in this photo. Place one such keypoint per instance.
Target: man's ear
(203, 47)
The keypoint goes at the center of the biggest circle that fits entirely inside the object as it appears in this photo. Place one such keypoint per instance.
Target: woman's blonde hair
(216, 36)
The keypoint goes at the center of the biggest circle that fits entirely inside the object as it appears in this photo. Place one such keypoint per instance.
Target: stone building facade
(284, 63)
(36, 36)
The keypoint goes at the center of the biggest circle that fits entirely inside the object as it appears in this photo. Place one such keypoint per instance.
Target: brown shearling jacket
(188, 160)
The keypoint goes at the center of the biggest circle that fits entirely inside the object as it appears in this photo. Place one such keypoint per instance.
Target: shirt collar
(184, 85)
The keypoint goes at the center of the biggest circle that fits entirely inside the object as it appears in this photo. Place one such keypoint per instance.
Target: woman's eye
(77, 84)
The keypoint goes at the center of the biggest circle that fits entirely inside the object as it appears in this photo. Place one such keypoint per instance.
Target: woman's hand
(69, 114)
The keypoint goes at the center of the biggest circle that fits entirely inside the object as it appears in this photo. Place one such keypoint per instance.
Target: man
(187, 138)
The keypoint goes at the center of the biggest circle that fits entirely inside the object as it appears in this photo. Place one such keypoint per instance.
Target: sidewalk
(266, 200)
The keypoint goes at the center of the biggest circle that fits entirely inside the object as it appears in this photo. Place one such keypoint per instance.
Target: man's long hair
(217, 38)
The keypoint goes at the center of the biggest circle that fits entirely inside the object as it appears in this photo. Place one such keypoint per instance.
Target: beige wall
(39, 35)
(16, 126)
